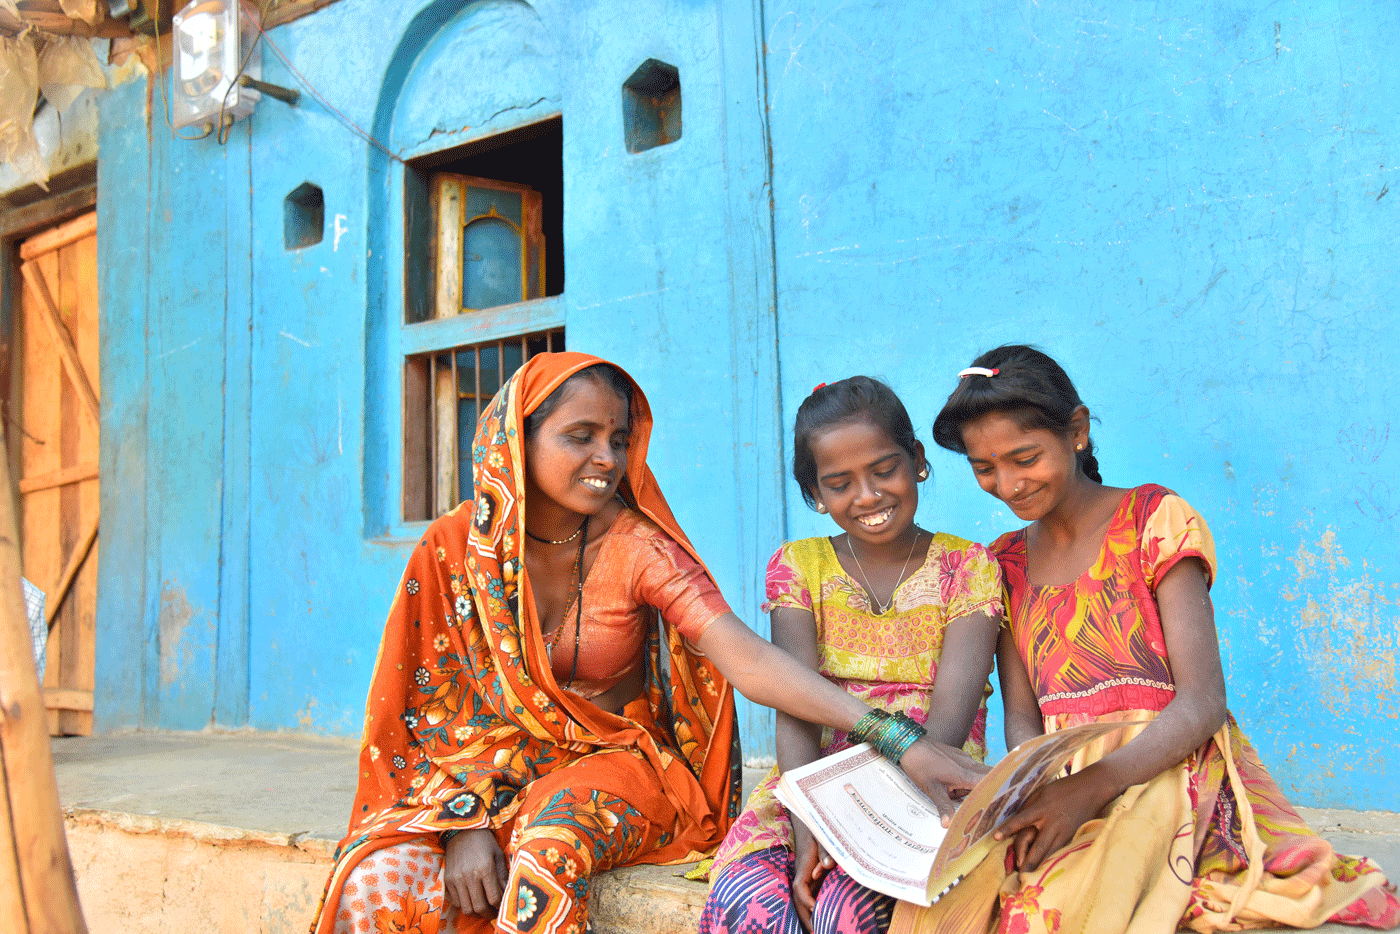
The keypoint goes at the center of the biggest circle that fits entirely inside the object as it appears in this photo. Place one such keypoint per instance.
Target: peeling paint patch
(176, 614)
(306, 715)
(1347, 631)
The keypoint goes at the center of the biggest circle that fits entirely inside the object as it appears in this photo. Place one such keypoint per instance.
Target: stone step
(233, 833)
(139, 873)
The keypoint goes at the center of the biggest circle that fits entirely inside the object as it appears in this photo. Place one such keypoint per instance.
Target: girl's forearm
(963, 667)
(1018, 698)
(799, 742)
(1021, 728)
(1179, 730)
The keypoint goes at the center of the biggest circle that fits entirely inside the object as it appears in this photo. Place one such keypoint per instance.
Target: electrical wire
(223, 129)
(345, 121)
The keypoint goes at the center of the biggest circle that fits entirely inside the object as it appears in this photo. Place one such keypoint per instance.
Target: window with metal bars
(444, 394)
(482, 271)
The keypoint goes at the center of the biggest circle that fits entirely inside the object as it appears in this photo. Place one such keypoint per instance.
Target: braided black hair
(1029, 387)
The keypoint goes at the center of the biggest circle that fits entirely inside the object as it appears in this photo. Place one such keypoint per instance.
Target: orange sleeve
(670, 579)
(1172, 532)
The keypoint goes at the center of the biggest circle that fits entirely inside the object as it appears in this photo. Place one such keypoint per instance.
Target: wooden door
(56, 337)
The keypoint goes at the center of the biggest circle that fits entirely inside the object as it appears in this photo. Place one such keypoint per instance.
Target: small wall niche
(303, 217)
(651, 106)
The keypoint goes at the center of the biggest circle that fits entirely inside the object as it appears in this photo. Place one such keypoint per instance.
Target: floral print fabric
(887, 660)
(1095, 645)
(575, 833)
(464, 714)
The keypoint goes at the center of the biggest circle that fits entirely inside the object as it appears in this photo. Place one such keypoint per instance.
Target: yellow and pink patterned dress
(888, 660)
(1211, 844)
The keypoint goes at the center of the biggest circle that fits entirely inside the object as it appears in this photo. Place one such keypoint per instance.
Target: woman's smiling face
(866, 481)
(578, 456)
(1030, 470)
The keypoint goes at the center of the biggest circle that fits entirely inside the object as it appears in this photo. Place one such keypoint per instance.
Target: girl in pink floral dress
(902, 618)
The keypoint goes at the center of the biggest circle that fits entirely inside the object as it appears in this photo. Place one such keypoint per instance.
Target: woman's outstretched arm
(767, 675)
(1051, 817)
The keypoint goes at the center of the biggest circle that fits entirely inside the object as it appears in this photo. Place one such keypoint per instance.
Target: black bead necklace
(578, 600)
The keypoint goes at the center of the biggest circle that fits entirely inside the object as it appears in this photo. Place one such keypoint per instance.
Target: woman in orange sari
(552, 695)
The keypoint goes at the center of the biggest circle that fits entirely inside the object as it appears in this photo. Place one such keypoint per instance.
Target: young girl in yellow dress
(1171, 822)
(902, 618)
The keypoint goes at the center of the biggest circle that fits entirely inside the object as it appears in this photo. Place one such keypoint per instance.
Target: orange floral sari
(464, 714)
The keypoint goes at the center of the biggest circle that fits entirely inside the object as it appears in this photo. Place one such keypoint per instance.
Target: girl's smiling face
(577, 458)
(866, 481)
(1029, 469)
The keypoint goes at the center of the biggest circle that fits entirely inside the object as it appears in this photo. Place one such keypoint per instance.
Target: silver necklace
(881, 610)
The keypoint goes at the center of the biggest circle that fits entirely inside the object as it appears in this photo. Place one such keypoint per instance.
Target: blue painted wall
(1187, 203)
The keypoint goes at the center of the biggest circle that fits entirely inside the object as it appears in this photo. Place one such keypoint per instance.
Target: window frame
(404, 339)
(433, 485)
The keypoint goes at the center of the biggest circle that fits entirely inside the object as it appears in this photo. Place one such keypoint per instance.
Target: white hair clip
(977, 371)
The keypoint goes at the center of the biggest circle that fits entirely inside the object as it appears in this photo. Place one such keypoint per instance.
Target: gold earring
(1079, 447)
(821, 508)
(923, 473)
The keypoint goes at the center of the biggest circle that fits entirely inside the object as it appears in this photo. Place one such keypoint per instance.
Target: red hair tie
(818, 386)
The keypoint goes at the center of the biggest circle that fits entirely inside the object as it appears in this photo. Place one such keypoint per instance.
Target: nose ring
(1019, 485)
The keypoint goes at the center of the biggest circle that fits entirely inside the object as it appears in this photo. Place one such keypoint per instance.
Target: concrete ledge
(144, 874)
(140, 873)
(234, 833)
(651, 899)
(198, 831)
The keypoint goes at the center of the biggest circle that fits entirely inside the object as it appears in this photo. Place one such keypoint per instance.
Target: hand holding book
(1052, 815)
(942, 773)
(890, 836)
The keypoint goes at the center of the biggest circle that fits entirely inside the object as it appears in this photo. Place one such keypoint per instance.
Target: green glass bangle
(890, 734)
(903, 745)
(867, 724)
(895, 735)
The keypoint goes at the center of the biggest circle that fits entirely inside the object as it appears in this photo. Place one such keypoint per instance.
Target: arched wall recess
(490, 68)
(461, 75)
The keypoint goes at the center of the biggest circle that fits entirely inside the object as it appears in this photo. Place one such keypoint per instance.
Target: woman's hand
(811, 866)
(474, 872)
(941, 772)
(1050, 818)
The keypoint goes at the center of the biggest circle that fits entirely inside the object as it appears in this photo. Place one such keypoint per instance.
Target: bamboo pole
(37, 891)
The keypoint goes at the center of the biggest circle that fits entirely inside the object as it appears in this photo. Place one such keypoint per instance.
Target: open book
(886, 833)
